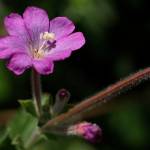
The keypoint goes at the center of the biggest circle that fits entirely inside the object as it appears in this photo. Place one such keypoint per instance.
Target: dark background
(117, 36)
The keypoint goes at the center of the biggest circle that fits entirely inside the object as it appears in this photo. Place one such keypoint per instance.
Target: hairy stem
(36, 91)
(100, 97)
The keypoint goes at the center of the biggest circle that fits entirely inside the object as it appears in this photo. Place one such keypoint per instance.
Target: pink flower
(88, 131)
(34, 41)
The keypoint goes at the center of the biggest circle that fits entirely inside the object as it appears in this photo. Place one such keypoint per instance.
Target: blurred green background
(117, 43)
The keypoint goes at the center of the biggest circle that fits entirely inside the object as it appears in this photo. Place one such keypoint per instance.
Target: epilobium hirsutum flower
(36, 42)
(90, 132)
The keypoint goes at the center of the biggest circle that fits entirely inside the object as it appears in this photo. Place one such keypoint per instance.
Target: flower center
(47, 36)
(47, 42)
(38, 53)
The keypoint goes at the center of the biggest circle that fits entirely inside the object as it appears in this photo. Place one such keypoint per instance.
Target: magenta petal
(65, 46)
(4, 54)
(36, 21)
(9, 42)
(61, 55)
(43, 66)
(61, 26)
(19, 63)
(14, 24)
(72, 42)
(10, 45)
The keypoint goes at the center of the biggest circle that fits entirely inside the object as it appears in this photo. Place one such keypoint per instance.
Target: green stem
(36, 91)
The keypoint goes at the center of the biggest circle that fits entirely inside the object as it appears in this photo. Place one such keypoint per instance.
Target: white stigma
(47, 36)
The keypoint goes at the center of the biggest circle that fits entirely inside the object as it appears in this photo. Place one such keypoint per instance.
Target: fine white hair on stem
(100, 97)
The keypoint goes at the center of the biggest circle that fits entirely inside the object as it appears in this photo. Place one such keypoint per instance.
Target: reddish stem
(100, 97)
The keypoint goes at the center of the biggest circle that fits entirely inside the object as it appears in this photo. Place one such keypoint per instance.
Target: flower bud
(62, 98)
(90, 132)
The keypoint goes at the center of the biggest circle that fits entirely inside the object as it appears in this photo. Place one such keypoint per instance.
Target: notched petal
(19, 63)
(61, 26)
(14, 24)
(73, 42)
(66, 45)
(36, 21)
(11, 44)
(5, 54)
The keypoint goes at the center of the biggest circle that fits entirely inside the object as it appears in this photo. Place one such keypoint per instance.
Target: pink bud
(90, 132)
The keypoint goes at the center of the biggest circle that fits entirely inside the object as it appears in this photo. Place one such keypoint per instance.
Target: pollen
(38, 54)
(47, 36)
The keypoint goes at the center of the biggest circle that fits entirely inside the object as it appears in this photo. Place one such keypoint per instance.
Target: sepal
(28, 106)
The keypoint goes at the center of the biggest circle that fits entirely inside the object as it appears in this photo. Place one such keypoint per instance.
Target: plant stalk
(36, 91)
(100, 97)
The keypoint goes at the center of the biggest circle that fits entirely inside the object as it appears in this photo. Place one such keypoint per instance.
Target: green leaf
(5, 142)
(46, 102)
(22, 128)
(28, 106)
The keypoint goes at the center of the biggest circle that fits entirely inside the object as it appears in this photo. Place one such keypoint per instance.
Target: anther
(47, 36)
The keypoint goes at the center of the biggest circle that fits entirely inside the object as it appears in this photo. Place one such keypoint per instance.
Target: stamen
(47, 42)
(47, 36)
(38, 53)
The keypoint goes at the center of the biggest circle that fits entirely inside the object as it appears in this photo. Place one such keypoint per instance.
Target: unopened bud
(62, 98)
(90, 132)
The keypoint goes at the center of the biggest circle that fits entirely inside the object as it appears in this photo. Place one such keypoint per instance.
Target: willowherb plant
(35, 42)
